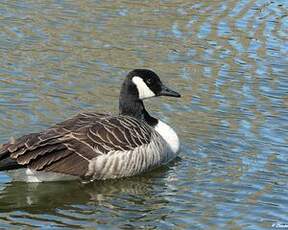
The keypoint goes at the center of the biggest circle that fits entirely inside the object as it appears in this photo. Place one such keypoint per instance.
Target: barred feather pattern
(90, 144)
(119, 163)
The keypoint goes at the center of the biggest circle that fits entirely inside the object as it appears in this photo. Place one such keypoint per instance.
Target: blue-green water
(227, 58)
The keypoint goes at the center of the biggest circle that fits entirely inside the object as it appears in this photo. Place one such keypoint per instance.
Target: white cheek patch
(143, 89)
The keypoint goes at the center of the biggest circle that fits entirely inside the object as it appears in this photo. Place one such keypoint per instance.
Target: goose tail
(6, 163)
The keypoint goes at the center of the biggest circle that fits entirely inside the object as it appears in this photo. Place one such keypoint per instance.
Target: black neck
(149, 119)
(130, 105)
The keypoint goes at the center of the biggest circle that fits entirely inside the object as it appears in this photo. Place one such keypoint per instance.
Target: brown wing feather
(38, 152)
(71, 164)
(68, 146)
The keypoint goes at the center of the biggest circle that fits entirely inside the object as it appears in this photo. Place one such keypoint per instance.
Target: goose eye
(149, 81)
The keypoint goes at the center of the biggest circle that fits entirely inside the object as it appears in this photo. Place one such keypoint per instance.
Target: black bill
(165, 91)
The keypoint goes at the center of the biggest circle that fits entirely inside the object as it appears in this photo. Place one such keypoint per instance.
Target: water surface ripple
(229, 60)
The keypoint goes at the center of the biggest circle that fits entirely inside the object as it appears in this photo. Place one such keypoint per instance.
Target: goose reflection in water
(36, 197)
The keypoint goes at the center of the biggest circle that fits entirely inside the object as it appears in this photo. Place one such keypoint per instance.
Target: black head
(145, 84)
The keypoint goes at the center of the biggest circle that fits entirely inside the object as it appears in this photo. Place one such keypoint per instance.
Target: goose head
(144, 83)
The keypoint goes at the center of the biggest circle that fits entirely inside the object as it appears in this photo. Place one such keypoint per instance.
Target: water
(227, 58)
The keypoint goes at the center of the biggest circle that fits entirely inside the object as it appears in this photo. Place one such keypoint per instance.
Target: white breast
(169, 135)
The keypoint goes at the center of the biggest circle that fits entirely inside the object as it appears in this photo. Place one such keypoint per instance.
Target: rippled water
(227, 58)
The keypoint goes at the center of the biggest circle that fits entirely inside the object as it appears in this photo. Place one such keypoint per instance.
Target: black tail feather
(9, 164)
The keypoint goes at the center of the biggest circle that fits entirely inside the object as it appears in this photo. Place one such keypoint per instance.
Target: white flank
(169, 135)
(143, 89)
(117, 164)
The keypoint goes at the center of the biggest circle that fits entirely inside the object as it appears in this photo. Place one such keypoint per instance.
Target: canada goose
(98, 146)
